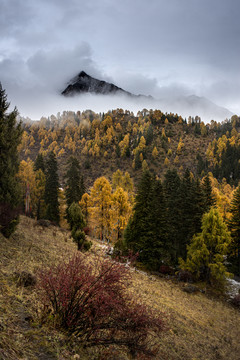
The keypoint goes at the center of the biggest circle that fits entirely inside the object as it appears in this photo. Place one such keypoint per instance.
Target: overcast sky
(156, 47)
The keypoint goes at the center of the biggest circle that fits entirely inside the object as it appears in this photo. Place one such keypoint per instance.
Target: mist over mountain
(84, 85)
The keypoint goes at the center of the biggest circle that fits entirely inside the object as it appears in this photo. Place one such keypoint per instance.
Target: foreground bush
(94, 306)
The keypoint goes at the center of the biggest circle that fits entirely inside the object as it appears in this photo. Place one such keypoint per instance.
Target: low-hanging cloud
(167, 49)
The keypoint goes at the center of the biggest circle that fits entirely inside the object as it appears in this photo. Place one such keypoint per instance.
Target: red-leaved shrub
(90, 301)
(184, 275)
(86, 230)
(166, 270)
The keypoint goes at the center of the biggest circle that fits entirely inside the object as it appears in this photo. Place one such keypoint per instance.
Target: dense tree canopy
(10, 138)
(234, 226)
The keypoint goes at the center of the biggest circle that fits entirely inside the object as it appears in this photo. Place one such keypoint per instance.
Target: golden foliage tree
(100, 210)
(121, 211)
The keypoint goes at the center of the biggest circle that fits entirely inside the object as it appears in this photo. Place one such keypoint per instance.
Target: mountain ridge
(191, 105)
(83, 83)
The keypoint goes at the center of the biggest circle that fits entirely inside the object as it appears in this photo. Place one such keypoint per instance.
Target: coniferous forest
(158, 191)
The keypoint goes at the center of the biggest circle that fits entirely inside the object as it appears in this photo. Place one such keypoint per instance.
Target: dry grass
(199, 327)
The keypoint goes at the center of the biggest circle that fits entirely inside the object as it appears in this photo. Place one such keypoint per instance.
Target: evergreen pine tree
(138, 231)
(172, 187)
(138, 163)
(158, 246)
(234, 227)
(186, 229)
(198, 206)
(146, 232)
(209, 200)
(77, 223)
(39, 163)
(52, 189)
(10, 194)
(74, 182)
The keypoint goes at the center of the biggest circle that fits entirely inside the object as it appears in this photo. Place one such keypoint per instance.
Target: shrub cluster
(90, 301)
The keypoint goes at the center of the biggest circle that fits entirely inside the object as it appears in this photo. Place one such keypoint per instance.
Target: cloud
(158, 47)
(43, 74)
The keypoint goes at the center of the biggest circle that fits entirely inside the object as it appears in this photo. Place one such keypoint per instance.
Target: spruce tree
(192, 209)
(39, 163)
(77, 223)
(172, 190)
(74, 182)
(52, 189)
(234, 227)
(138, 232)
(146, 232)
(159, 248)
(209, 199)
(198, 206)
(186, 230)
(10, 138)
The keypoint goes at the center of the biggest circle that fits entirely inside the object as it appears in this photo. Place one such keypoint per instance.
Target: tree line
(159, 225)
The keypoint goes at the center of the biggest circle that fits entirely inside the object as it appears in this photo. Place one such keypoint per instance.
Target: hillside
(103, 143)
(119, 140)
(199, 327)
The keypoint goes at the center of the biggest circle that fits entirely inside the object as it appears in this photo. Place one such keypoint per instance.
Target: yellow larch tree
(122, 180)
(180, 146)
(100, 210)
(154, 152)
(145, 165)
(121, 211)
(124, 145)
(27, 178)
(166, 162)
(85, 205)
(39, 193)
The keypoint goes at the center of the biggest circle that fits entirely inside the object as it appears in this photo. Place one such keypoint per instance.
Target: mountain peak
(83, 74)
(84, 83)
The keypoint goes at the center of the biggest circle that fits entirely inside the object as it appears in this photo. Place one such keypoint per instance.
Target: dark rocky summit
(84, 83)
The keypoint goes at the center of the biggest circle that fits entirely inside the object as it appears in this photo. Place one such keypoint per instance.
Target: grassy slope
(199, 327)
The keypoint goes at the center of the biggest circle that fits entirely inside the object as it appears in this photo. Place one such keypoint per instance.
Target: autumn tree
(121, 211)
(122, 180)
(40, 181)
(101, 202)
(85, 204)
(207, 251)
(27, 178)
(52, 189)
(154, 152)
(10, 138)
